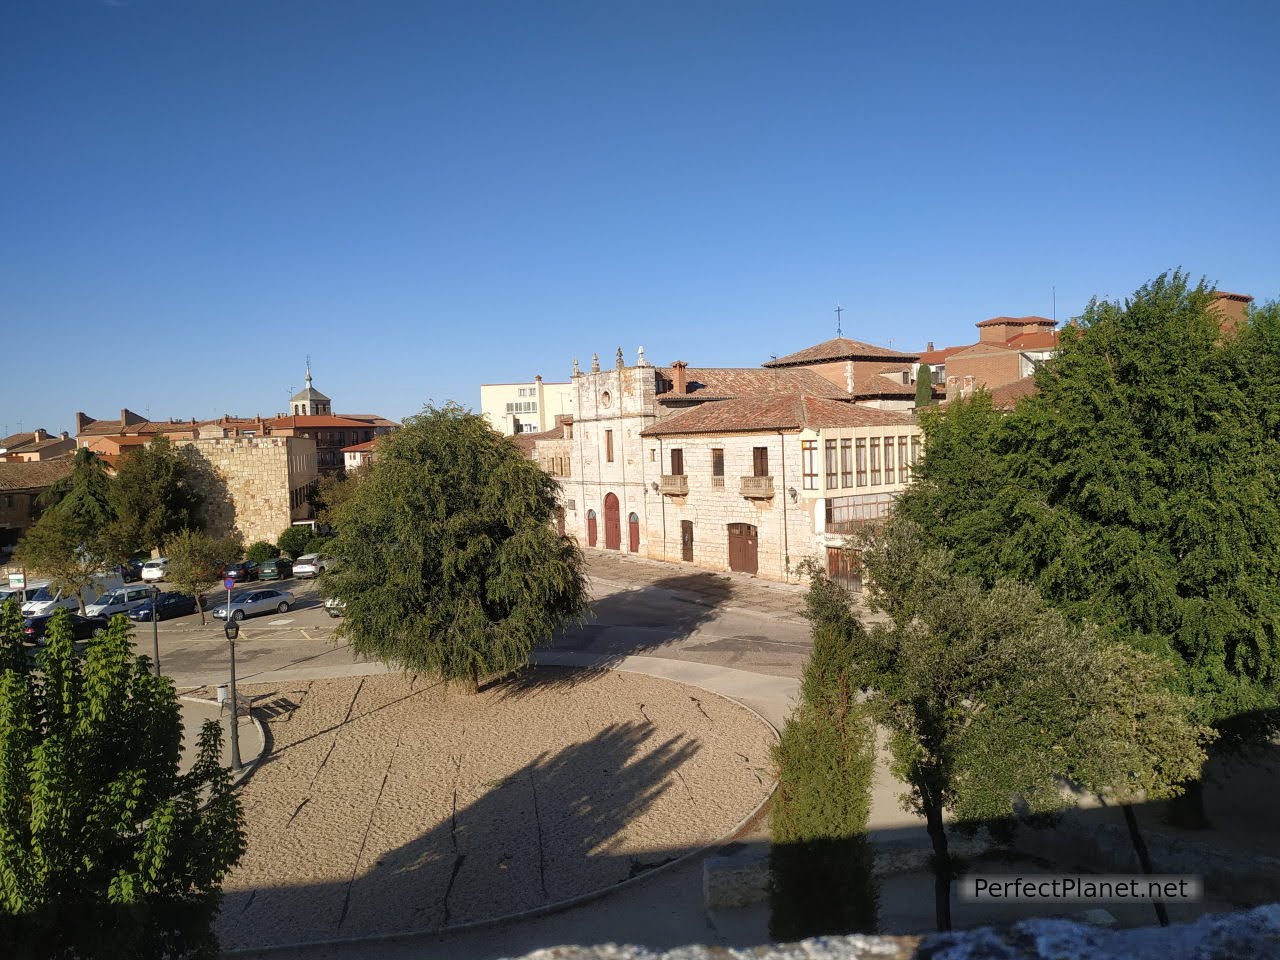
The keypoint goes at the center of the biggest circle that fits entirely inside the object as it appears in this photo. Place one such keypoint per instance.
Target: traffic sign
(229, 583)
(18, 581)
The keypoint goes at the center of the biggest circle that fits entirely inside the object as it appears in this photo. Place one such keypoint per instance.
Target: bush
(261, 550)
(295, 541)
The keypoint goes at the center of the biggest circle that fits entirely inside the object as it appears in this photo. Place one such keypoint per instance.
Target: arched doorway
(633, 533)
(591, 528)
(612, 523)
(743, 548)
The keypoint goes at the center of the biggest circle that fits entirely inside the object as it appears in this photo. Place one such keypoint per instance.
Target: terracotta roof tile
(1017, 321)
(360, 447)
(708, 383)
(1007, 396)
(1223, 295)
(839, 348)
(299, 422)
(940, 356)
(793, 411)
(1036, 340)
(35, 475)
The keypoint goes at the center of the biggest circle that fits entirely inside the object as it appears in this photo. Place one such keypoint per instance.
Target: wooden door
(591, 528)
(633, 533)
(744, 548)
(612, 523)
(686, 540)
(844, 566)
(560, 521)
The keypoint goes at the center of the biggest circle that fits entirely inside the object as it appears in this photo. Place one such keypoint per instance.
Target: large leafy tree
(105, 849)
(196, 562)
(152, 498)
(448, 559)
(1139, 489)
(993, 700)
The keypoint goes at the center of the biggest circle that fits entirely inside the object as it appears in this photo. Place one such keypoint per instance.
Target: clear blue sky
(196, 194)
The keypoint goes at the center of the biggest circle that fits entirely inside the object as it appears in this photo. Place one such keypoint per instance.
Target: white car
(251, 603)
(311, 565)
(118, 601)
(154, 570)
(49, 598)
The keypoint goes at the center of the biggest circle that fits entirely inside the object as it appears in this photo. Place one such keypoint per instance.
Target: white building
(513, 408)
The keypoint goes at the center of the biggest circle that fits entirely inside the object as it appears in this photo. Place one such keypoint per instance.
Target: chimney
(82, 421)
(128, 418)
(63, 436)
(929, 348)
(679, 377)
(40, 433)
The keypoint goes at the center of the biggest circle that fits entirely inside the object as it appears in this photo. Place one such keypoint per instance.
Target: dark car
(241, 572)
(131, 570)
(166, 605)
(279, 568)
(82, 628)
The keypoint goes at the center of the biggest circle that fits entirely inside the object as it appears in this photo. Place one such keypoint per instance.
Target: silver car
(251, 603)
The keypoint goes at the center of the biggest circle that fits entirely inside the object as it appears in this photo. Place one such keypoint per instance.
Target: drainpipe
(786, 545)
(623, 512)
(661, 466)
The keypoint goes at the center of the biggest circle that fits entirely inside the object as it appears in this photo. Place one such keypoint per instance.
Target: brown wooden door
(633, 533)
(844, 566)
(743, 548)
(591, 528)
(612, 523)
(560, 521)
(686, 540)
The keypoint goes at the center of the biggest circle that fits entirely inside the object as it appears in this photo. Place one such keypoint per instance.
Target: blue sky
(426, 196)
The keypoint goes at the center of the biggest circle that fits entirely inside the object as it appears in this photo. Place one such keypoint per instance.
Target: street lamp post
(155, 626)
(232, 630)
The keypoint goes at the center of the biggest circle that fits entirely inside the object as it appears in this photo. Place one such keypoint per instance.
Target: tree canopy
(447, 555)
(105, 849)
(196, 561)
(1139, 489)
(152, 497)
(924, 385)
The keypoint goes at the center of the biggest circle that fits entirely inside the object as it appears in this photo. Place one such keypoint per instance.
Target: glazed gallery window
(888, 459)
(829, 461)
(915, 450)
(846, 462)
(809, 463)
(875, 461)
(862, 463)
(902, 459)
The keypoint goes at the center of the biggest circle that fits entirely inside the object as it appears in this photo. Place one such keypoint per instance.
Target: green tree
(334, 492)
(105, 849)
(261, 551)
(448, 559)
(295, 541)
(820, 862)
(152, 498)
(60, 548)
(196, 561)
(924, 385)
(1140, 489)
(993, 700)
(84, 495)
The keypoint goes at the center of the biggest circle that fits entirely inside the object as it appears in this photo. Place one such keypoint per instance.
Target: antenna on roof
(839, 310)
(1055, 305)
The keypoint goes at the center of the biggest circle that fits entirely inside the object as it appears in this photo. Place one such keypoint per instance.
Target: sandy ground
(389, 804)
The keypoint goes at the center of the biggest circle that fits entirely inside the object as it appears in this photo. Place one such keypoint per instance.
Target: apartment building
(515, 408)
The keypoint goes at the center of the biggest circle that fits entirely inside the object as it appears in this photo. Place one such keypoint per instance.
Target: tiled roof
(939, 356)
(35, 475)
(722, 383)
(1036, 340)
(525, 441)
(785, 412)
(839, 348)
(16, 442)
(1017, 321)
(300, 422)
(360, 447)
(1223, 295)
(1005, 397)
(372, 418)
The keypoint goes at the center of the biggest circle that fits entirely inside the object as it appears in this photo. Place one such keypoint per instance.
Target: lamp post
(155, 627)
(232, 630)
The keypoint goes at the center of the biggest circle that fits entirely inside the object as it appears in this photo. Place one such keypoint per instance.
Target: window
(846, 462)
(809, 463)
(902, 459)
(608, 445)
(523, 406)
(829, 458)
(888, 459)
(862, 462)
(717, 468)
(760, 461)
(915, 451)
(653, 455)
(875, 461)
(527, 392)
(677, 462)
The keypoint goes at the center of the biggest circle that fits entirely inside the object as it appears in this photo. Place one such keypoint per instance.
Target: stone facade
(254, 486)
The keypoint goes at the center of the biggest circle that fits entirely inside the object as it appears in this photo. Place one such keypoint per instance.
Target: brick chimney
(82, 421)
(679, 377)
(128, 418)
(40, 433)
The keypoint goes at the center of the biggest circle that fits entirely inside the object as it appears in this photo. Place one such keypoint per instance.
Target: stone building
(1008, 349)
(725, 467)
(254, 486)
(21, 483)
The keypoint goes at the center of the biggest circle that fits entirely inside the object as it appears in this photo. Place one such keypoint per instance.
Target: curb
(700, 601)
(560, 905)
(245, 768)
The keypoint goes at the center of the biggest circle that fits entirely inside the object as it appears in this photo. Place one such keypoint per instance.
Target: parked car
(118, 601)
(241, 572)
(154, 570)
(131, 570)
(34, 629)
(49, 598)
(22, 596)
(251, 603)
(278, 568)
(335, 607)
(167, 605)
(311, 565)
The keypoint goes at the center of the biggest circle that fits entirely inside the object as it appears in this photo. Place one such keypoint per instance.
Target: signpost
(232, 630)
(155, 626)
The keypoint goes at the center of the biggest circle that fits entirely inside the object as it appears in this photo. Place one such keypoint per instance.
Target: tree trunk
(200, 607)
(1187, 809)
(1144, 858)
(941, 866)
(475, 680)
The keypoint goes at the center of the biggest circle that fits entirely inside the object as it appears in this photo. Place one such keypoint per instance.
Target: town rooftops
(712, 383)
(325, 421)
(1035, 340)
(1007, 396)
(934, 357)
(1031, 321)
(33, 476)
(787, 412)
(838, 348)
(308, 393)
(1238, 297)
(361, 447)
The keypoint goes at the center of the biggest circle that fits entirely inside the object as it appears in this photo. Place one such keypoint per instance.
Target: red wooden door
(591, 528)
(743, 548)
(612, 523)
(633, 533)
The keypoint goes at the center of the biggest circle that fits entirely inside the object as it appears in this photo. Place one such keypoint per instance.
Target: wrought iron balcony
(757, 488)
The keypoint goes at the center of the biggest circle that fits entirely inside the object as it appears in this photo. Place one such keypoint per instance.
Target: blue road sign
(229, 583)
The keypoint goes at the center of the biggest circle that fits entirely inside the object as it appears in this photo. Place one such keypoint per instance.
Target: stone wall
(254, 486)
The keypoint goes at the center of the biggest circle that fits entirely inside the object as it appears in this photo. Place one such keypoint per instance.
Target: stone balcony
(757, 488)
(674, 485)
